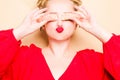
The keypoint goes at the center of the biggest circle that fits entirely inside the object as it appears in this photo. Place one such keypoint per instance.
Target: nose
(59, 21)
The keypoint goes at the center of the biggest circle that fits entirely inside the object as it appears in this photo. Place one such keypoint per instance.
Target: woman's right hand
(31, 23)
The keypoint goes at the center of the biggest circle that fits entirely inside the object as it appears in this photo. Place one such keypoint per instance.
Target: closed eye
(52, 21)
(68, 20)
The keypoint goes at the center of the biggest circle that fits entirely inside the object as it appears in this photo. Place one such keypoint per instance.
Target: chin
(61, 38)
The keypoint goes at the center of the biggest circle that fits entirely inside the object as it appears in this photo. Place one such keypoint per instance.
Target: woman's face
(60, 28)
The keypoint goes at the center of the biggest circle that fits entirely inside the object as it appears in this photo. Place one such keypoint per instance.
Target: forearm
(101, 34)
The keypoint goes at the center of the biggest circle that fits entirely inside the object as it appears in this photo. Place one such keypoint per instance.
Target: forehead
(60, 6)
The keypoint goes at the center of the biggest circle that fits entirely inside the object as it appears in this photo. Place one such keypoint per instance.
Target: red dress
(27, 63)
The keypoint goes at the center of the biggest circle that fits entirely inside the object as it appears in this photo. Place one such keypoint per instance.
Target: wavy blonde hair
(42, 3)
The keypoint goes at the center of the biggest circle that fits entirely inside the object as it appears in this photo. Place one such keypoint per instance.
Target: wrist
(19, 33)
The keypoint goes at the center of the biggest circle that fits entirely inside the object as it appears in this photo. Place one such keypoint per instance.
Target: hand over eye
(31, 23)
(83, 18)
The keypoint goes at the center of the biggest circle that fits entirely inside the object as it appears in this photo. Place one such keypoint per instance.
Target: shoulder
(89, 52)
(90, 55)
(28, 52)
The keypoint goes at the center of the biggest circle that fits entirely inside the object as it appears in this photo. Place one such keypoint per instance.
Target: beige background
(106, 12)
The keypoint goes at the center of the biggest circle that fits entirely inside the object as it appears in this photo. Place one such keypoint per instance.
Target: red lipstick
(59, 29)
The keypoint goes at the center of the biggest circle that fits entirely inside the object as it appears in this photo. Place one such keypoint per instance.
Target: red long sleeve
(8, 49)
(112, 56)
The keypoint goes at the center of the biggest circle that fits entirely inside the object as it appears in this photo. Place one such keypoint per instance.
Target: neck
(59, 48)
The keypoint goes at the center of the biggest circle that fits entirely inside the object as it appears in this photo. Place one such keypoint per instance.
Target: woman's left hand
(87, 22)
(84, 19)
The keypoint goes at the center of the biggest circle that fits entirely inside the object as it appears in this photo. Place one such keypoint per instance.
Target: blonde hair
(42, 3)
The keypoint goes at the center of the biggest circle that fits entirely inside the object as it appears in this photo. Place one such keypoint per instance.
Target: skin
(58, 51)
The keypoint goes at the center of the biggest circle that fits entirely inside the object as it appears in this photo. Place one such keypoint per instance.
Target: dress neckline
(66, 70)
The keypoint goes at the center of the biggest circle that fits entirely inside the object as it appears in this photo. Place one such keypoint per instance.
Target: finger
(77, 21)
(50, 17)
(46, 16)
(67, 16)
(88, 12)
(79, 15)
(73, 15)
(42, 23)
(35, 12)
(39, 18)
(40, 11)
(85, 10)
(82, 10)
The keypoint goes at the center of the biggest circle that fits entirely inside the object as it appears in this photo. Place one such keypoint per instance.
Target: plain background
(106, 12)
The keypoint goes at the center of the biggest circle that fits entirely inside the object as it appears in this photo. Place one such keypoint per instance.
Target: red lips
(59, 29)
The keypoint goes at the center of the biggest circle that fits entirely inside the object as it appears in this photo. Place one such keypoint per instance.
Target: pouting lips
(59, 29)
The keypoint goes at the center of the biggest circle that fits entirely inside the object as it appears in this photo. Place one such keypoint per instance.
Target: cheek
(70, 28)
(50, 24)
(70, 25)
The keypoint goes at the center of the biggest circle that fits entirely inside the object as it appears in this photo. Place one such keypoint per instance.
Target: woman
(57, 61)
